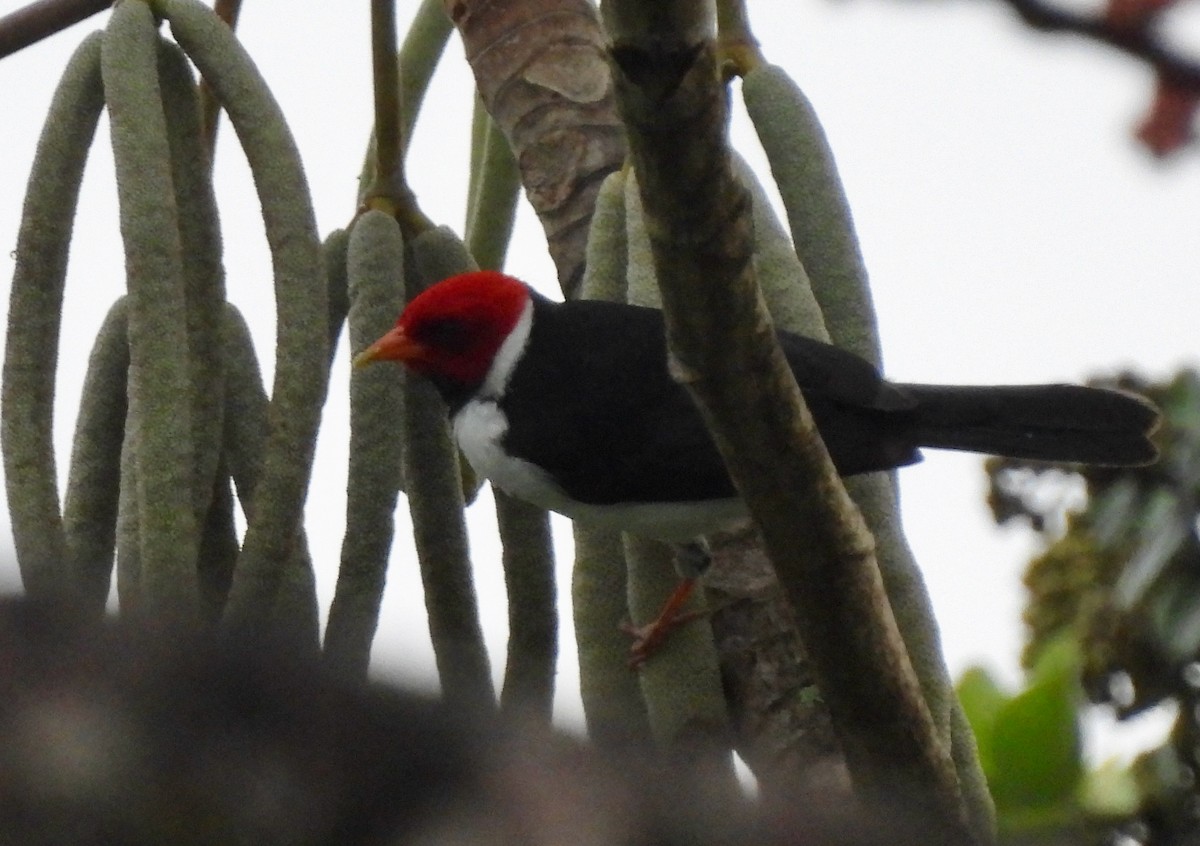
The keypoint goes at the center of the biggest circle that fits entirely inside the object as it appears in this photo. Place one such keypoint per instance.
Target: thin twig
(1139, 42)
(389, 163)
(39, 20)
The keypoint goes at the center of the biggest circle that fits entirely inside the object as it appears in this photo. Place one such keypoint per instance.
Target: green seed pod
(334, 256)
(245, 433)
(528, 556)
(34, 320)
(435, 501)
(93, 482)
(442, 254)
(203, 273)
(681, 682)
(245, 440)
(302, 356)
(435, 255)
(612, 695)
(818, 214)
(129, 536)
(492, 205)
(528, 559)
(642, 279)
(158, 339)
(607, 257)
(219, 548)
(781, 276)
(823, 233)
(376, 286)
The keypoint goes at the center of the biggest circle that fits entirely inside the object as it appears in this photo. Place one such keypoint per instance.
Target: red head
(452, 330)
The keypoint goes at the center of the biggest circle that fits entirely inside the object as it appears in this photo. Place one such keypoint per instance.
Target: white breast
(479, 429)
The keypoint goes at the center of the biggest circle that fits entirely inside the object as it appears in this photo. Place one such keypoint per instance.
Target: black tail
(1042, 422)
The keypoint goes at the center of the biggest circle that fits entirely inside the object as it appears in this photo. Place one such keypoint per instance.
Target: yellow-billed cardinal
(570, 406)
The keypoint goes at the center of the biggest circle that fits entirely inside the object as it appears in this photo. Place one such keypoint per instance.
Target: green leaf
(981, 699)
(1036, 749)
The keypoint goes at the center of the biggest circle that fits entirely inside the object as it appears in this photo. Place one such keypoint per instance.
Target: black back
(650, 443)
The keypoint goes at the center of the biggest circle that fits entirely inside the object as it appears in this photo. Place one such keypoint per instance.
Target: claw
(648, 638)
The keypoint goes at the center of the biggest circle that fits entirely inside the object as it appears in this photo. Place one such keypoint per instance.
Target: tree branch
(1140, 42)
(540, 69)
(36, 21)
(698, 217)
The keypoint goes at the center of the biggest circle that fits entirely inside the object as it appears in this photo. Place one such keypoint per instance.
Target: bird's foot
(649, 638)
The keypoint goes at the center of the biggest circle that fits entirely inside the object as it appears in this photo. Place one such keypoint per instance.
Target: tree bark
(542, 75)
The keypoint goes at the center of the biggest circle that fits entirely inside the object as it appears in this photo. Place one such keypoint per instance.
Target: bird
(571, 406)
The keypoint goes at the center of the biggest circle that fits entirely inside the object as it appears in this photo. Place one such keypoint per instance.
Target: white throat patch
(507, 356)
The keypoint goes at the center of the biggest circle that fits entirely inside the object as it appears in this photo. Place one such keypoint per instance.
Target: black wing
(649, 444)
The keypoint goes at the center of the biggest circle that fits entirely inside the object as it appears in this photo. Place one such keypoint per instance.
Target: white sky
(1013, 231)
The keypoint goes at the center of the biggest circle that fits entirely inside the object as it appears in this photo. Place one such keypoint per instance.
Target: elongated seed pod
(159, 370)
(302, 357)
(641, 277)
(681, 682)
(245, 440)
(823, 233)
(94, 478)
(440, 254)
(529, 580)
(480, 121)
(528, 556)
(245, 431)
(612, 695)
(203, 273)
(435, 501)
(129, 536)
(34, 321)
(527, 551)
(781, 277)
(607, 256)
(818, 214)
(376, 285)
(219, 547)
(333, 255)
(492, 206)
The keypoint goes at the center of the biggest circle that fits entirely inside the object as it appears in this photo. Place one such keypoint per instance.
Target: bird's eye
(448, 335)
